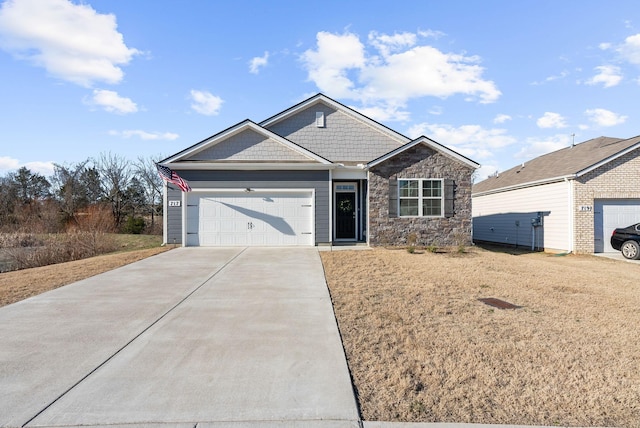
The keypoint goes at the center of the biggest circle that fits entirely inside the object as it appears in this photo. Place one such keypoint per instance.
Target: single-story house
(569, 200)
(318, 173)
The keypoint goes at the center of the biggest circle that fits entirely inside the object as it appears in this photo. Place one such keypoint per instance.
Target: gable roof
(213, 149)
(347, 136)
(321, 98)
(570, 162)
(428, 142)
(288, 140)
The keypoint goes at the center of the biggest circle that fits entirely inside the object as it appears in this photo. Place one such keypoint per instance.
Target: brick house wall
(420, 161)
(618, 179)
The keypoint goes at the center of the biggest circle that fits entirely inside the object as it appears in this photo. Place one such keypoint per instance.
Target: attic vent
(320, 119)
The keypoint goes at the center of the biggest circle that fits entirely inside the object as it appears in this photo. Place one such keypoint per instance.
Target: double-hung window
(420, 197)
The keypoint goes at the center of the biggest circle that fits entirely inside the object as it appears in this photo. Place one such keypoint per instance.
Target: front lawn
(422, 347)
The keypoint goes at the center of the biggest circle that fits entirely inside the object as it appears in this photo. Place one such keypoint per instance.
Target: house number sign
(587, 208)
(174, 203)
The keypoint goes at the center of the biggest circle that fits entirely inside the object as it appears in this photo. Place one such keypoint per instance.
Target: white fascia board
(243, 126)
(430, 143)
(607, 160)
(321, 98)
(250, 166)
(524, 185)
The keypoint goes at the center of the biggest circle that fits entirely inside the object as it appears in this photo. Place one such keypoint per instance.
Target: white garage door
(610, 214)
(250, 218)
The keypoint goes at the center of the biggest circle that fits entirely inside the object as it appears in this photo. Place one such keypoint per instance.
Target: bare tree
(145, 170)
(115, 174)
(69, 188)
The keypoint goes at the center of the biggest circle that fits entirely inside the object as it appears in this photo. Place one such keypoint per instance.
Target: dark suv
(627, 240)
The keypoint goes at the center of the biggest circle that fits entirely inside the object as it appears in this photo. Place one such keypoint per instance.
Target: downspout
(570, 186)
(330, 206)
(368, 229)
(183, 198)
(165, 214)
(533, 238)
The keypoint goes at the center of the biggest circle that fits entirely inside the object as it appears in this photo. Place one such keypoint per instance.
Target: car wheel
(631, 250)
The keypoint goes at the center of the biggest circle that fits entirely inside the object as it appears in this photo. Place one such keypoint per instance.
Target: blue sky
(499, 81)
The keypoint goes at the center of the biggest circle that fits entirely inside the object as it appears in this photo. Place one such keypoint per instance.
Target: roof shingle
(561, 163)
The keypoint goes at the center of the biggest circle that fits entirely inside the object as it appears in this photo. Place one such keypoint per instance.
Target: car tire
(630, 250)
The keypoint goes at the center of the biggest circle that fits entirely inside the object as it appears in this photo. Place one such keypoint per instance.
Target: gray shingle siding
(174, 217)
(318, 180)
(248, 145)
(342, 139)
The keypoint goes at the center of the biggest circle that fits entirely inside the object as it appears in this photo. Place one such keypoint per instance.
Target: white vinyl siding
(506, 217)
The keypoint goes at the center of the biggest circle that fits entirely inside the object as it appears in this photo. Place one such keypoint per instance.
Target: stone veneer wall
(619, 179)
(420, 161)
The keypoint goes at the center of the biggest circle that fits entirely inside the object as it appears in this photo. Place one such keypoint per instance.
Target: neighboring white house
(569, 200)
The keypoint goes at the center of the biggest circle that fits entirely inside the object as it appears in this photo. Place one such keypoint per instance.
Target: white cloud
(8, 164)
(551, 120)
(335, 56)
(436, 110)
(387, 44)
(562, 75)
(432, 33)
(534, 147)
(630, 49)
(473, 141)
(484, 172)
(383, 114)
(144, 135)
(44, 168)
(605, 118)
(609, 75)
(112, 102)
(256, 63)
(205, 103)
(391, 70)
(501, 118)
(71, 41)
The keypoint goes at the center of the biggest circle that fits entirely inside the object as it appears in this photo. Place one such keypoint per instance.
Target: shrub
(134, 225)
(412, 238)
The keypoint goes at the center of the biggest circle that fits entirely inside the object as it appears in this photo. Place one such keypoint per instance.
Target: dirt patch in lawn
(19, 285)
(422, 347)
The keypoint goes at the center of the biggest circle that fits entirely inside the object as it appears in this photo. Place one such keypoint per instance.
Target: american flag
(172, 177)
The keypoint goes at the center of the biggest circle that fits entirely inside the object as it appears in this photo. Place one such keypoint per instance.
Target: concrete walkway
(215, 337)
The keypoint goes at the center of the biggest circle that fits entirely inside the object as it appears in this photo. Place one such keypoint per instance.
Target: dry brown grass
(19, 285)
(421, 347)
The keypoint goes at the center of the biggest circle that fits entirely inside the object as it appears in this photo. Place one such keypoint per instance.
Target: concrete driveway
(616, 256)
(214, 337)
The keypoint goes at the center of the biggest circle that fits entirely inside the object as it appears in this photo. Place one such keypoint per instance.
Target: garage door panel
(611, 214)
(269, 218)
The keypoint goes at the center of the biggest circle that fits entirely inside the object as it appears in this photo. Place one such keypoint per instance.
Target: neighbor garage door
(250, 218)
(610, 214)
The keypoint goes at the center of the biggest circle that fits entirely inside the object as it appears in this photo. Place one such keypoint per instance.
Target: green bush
(134, 225)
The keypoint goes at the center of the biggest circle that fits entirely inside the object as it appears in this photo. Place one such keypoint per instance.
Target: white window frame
(420, 197)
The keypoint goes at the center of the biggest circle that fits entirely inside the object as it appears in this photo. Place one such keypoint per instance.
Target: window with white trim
(420, 197)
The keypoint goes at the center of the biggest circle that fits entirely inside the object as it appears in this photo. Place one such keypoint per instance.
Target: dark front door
(345, 215)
